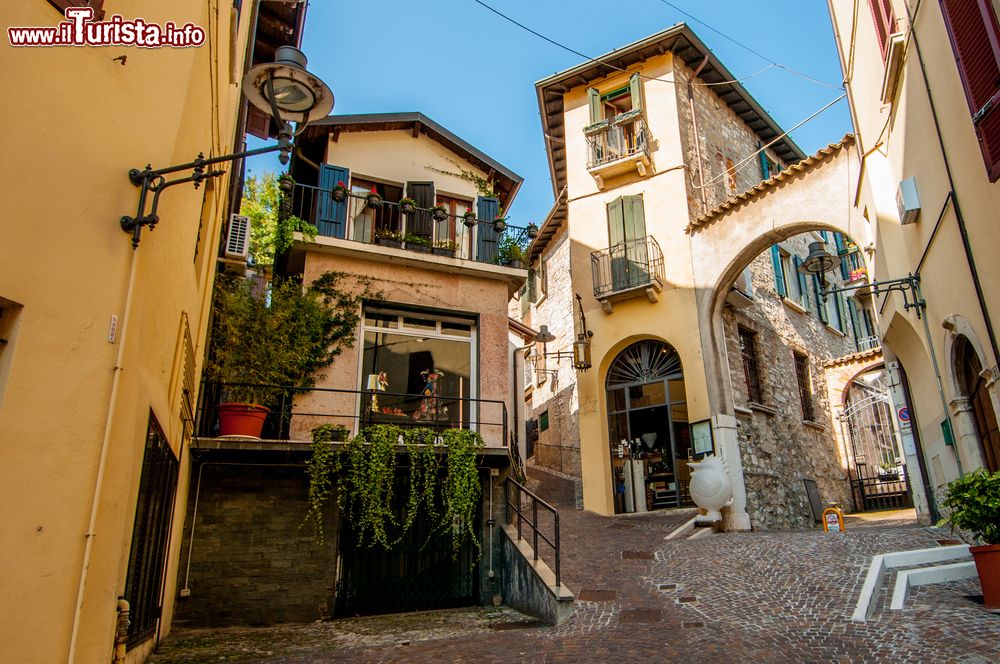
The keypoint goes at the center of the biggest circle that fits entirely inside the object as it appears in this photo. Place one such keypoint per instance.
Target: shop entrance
(648, 428)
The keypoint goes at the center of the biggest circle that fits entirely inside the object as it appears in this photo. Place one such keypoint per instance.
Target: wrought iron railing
(522, 508)
(296, 411)
(416, 229)
(627, 265)
(618, 138)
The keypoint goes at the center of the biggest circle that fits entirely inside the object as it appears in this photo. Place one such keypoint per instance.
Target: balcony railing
(420, 230)
(626, 266)
(296, 411)
(619, 138)
(868, 343)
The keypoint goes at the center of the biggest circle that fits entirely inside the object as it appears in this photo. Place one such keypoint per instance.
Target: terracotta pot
(241, 419)
(988, 566)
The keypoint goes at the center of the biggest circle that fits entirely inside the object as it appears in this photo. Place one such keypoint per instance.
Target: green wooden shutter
(331, 216)
(779, 273)
(635, 88)
(634, 217)
(838, 303)
(820, 305)
(487, 239)
(616, 222)
(594, 101)
(765, 168)
(420, 222)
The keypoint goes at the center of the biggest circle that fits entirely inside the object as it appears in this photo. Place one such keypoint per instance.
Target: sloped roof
(854, 357)
(553, 222)
(507, 181)
(680, 40)
(769, 184)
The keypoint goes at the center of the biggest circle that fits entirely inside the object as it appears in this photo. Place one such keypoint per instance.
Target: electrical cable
(743, 162)
(751, 50)
(615, 67)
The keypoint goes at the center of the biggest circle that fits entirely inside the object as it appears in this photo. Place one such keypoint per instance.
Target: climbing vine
(443, 485)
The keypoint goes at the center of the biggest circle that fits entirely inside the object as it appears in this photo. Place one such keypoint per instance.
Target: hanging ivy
(444, 484)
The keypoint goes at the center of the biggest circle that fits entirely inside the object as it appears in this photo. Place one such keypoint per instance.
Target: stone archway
(974, 406)
(814, 195)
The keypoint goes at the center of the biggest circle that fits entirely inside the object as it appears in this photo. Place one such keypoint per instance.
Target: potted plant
(418, 243)
(532, 231)
(510, 251)
(445, 248)
(339, 192)
(974, 504)
(389, 238)
(407, 205)
(500, 224)
(256, 354)
(439, 213)
(373, 200)
(469, 218)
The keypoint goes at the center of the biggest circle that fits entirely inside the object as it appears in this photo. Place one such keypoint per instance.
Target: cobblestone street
(767, 597)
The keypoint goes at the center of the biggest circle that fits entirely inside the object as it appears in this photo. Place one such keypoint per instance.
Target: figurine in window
(430, 407)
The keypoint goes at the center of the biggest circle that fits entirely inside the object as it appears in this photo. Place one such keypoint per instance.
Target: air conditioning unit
(238, 237)
(908, 201)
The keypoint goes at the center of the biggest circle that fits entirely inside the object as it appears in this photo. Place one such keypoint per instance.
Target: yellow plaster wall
(66, 260)
(397, 157)
(900, 140)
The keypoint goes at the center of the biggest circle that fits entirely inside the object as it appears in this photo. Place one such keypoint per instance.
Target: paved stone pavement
(762, 597)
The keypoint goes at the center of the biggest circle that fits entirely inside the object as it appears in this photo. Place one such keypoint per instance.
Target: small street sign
(833, 520)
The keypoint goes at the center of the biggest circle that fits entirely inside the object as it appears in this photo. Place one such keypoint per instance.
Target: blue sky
(474, 72)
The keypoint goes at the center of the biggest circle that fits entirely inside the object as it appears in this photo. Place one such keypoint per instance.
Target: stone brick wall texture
(778, 449)
(558, 447)
(725, 141)
(250, 563)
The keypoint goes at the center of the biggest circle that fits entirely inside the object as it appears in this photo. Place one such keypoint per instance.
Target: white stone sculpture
(649, 439)
(711, 489)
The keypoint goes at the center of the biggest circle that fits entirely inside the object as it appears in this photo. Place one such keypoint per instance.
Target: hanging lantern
(581, 353)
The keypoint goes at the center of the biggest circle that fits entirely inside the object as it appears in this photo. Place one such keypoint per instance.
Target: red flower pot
(241, 419)
(988, 566)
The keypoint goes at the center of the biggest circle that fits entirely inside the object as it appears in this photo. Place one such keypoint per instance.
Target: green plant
(321, 469)
(484, 186)
(282, 337)
(511, 247)
(407, 202)
(973, 501)
(388, 234)
(367, 491)
(418, 240)
(448, 245)
(272, 227)
(461, 487)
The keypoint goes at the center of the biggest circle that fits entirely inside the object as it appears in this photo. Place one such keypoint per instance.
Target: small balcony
(868, 343)
(354, 217)
(618, 146)
(629, 269)
(296, 411)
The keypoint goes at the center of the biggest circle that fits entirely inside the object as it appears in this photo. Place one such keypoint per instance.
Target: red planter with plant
(241, 419)
(974, 501)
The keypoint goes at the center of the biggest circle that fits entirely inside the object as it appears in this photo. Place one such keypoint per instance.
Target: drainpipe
(102, 462)
(697, 135)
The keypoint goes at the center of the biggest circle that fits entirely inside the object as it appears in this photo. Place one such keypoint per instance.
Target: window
(748, 349)
(424, 364)
(62, 5)
(529, 370)
(789, 282)
(366, 225)
(148, 553)
(837, 312)
(543, 421)
(972, 26)
(450, 231)
(885, 22)
(768, 168)
(805, 386)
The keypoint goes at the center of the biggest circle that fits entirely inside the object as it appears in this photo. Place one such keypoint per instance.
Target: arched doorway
(972, 383)
(648, 428)
(877, 463)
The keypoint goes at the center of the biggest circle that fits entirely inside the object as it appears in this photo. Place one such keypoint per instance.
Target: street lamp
(283, 89)
(820, 261)
(581, 347)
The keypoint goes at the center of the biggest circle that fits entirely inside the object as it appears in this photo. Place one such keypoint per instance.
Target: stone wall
(558, 447)
(250, 563)
(778, 448)
(725, 141)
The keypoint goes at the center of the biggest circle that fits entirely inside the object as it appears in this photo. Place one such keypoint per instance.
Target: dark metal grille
(417, 573)
(748, 348)
(805, 389)
(150, 534)
(627, 265)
